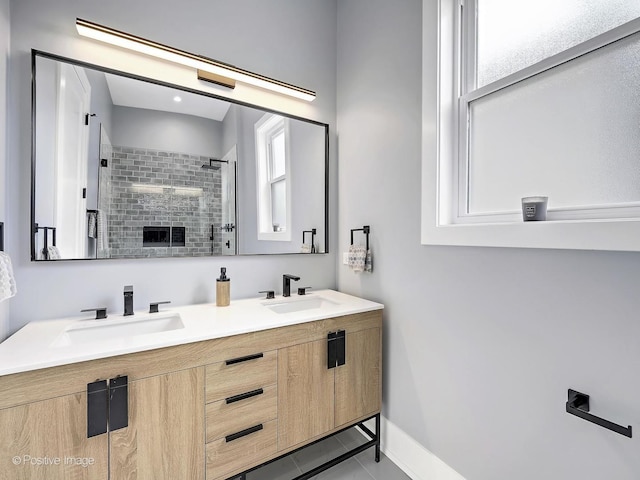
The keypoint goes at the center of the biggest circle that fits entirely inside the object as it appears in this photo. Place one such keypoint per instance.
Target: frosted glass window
(514, 34)
(571, 133)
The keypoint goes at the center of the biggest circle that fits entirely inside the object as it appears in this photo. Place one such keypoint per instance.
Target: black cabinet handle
(244, 396)
(118, 403)
(341, 346)
(332, 349)
(243, 433)
(97, 408)
(336, 349)
(233, 361)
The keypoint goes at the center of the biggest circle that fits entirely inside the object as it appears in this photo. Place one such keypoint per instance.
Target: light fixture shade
(220, 69)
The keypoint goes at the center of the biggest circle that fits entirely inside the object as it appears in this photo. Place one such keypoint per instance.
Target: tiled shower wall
(160, 189)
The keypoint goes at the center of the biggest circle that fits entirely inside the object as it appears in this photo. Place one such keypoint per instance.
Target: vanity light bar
(229, 73)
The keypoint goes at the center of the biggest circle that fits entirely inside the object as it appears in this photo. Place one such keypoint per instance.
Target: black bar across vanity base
(374, 441)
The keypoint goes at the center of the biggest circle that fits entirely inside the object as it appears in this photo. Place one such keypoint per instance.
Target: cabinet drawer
(236, 376)
(225, 418)
(227, 457)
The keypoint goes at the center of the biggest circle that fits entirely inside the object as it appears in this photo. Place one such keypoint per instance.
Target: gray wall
(63, 288)
(4, 54)
(230, 129)
(175, 132)
(481, 344)
(101, 107)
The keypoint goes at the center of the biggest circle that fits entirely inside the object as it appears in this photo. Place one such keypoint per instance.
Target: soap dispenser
(223, 289)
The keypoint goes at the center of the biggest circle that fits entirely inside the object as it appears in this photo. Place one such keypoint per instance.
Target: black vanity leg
(377, 438)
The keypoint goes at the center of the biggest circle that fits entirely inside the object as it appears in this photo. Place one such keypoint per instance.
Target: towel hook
(366, 230)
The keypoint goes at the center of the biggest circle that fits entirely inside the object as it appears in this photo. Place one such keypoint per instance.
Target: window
(273, 182)
(533, 98)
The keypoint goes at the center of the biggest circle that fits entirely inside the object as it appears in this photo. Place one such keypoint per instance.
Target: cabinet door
(165, 436)
(358, 381)
(48, 440)
(305, 393)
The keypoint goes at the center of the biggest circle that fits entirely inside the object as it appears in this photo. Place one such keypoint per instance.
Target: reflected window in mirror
(273, 181)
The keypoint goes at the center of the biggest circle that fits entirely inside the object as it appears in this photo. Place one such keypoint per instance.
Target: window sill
(275, 236)
(614, 235)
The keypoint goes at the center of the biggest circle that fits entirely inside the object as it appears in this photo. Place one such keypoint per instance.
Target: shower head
(211, 166)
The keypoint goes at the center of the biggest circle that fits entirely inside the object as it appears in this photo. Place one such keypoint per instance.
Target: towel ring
(45, 253)
(366, 230)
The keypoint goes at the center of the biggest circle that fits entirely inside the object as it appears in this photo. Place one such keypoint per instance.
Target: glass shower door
(228, 228)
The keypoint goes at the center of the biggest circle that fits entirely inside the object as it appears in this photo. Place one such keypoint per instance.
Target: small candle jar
(534, 208)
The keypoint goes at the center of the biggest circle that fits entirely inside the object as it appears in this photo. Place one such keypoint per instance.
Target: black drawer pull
(244, 359)
(243, 433)
(243, 396)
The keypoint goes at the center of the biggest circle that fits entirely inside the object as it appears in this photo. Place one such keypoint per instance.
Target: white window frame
(267, 127)
(444, 217)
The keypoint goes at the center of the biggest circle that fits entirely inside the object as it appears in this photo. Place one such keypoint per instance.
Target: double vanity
(196, 392)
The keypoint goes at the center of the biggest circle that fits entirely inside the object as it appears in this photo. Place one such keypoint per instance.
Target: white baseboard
(411, 457)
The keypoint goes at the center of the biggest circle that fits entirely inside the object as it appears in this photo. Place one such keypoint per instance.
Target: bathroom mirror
(132, 167)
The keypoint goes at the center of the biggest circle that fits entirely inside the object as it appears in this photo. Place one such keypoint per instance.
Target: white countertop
(38, 344)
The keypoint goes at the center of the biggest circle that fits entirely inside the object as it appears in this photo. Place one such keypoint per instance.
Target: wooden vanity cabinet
(210, 409)
(48, 438)
(241, 413)
(166, 427)
(315, 399)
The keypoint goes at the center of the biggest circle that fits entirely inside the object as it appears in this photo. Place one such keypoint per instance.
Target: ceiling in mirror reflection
(129, 92)
(161, 177)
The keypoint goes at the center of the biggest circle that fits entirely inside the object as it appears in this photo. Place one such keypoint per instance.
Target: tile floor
(360, 467)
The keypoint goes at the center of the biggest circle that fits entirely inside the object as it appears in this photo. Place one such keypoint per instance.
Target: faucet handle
(153, 306)
(101, 312)
(303, 290)
(270, 293)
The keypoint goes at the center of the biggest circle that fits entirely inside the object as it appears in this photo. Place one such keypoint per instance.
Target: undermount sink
(299, 304)
(89, 331)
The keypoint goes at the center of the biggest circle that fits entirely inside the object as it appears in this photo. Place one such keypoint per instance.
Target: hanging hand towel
(357, 257)
(53, 253)
(368, 262)
(92, 224)
(103, 235)
(306, 248)
(7, 282)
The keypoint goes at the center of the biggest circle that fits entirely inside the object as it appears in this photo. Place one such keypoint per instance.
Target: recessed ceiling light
(177, 99)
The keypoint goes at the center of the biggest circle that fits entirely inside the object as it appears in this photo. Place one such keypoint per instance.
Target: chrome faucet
(286, 284)
(128, 300)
